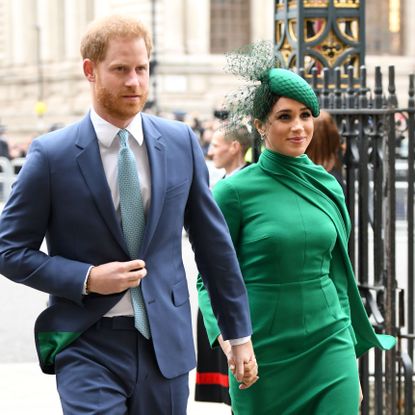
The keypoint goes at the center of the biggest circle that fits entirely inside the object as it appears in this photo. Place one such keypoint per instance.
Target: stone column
(43, 21)
(171, 35)
(102, 8)
(197, 26)
(408, 17)
(22, 33)
(262, 20)
(72, 29)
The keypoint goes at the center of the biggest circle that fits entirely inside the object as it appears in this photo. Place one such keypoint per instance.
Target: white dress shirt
(109, 146)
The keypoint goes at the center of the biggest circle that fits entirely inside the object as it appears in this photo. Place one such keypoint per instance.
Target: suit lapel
(90, 164)
(157, 159)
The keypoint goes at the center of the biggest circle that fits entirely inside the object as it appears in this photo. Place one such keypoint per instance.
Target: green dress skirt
(302, 340)
(291, 238)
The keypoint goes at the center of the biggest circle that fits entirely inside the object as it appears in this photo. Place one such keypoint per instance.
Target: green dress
(289, 225)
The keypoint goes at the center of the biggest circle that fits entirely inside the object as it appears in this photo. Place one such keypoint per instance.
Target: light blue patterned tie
(133, 221)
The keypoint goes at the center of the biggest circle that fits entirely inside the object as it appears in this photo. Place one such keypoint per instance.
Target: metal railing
(8, 172)
(381, 205)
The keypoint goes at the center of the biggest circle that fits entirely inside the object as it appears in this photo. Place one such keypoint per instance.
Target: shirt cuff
(237, 342)
(84, 290)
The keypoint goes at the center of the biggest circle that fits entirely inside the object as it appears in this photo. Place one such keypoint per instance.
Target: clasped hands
(241, 361)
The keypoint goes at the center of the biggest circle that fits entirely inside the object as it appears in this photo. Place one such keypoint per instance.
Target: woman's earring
(262, 136)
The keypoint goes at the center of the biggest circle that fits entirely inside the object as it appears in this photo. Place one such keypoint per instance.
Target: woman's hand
(250, 374)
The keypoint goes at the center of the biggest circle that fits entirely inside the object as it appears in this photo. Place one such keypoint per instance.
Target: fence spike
(392, 99)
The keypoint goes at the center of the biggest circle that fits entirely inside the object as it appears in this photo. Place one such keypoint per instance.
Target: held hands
(241, 361)
(115, 277)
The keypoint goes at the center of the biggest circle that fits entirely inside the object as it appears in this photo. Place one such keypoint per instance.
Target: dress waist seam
(320, 280)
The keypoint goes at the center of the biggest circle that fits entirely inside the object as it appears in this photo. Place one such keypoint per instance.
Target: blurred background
(41, 82)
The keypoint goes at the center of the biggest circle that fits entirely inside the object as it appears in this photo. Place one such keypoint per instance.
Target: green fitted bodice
(291, 240)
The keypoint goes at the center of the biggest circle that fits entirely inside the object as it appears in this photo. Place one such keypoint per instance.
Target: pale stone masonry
(188, 78)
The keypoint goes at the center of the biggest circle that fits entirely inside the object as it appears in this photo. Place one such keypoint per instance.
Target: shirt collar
(106, 132)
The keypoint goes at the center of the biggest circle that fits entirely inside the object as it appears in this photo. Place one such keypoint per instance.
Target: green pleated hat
(286, 83)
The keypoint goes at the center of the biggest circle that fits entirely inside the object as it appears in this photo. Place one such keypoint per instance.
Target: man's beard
(116, 106)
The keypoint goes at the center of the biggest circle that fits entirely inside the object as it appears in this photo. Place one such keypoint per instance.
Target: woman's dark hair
(264, 100)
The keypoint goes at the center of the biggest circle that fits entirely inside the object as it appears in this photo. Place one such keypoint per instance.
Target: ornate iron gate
(380, 197)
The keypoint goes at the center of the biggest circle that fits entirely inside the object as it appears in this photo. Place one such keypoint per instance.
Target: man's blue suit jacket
(62, 193)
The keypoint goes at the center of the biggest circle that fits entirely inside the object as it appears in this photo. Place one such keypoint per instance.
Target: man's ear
(235, 146)
(89, 70)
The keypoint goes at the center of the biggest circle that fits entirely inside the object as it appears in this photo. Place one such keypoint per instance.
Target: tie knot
(123, 134)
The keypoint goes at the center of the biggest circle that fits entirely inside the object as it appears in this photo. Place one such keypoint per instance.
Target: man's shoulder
(163, 124)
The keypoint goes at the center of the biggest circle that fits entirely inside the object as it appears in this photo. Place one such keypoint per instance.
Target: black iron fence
(379, 170)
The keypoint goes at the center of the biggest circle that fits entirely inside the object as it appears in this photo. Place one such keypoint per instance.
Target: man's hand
(115, 277)
(243, 365)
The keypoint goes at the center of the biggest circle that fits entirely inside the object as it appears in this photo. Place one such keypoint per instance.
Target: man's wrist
(238, 342)
(86, 290)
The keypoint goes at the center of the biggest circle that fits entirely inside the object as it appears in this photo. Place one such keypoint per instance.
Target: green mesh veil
(250, 63)
(265, 81)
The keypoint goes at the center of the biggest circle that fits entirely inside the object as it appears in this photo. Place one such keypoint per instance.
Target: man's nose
(132, 79)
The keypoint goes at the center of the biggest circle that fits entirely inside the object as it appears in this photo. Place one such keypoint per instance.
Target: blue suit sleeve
(23, 225)
(228, 202)
(215, 255)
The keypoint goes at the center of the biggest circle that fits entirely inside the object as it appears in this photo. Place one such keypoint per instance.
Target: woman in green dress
(290, 227)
